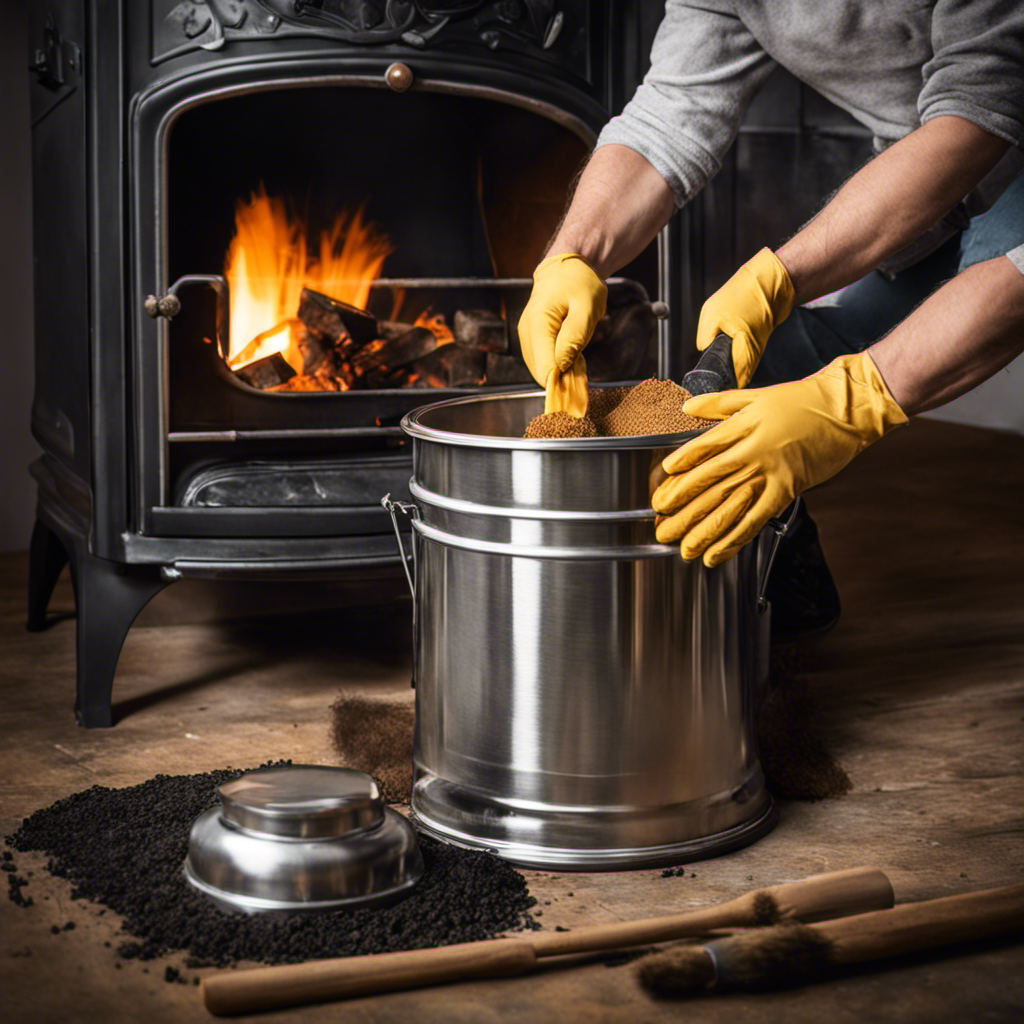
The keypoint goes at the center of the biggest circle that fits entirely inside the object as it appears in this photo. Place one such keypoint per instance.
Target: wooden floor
(921, 690)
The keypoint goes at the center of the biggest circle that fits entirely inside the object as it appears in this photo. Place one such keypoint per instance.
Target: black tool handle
(714, 370)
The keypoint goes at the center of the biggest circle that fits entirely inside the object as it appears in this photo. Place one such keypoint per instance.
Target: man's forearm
(888, 203)
(621, 202)
(964, 333)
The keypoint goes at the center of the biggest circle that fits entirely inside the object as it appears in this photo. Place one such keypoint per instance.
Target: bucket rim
(413, 426)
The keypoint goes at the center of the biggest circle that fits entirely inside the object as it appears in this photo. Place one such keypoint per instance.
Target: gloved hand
(567, 300)
(773, 443)
(748, 307)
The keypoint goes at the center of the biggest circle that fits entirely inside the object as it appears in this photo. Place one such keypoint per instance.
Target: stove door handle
(169, 305)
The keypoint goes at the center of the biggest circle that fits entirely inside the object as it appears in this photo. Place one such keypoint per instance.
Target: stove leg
(47, 557)
(108, 598)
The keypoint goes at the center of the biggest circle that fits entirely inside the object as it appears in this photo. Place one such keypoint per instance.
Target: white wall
(17, 448)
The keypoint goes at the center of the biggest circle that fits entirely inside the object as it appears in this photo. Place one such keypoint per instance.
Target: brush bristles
(776, 957)
(676, 971)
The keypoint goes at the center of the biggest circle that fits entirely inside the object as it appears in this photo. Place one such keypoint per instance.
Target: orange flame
(268, 263)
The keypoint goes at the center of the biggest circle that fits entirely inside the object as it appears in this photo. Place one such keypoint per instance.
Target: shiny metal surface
(301, 838)
(302, 802)
(584, 697)
(497, 421)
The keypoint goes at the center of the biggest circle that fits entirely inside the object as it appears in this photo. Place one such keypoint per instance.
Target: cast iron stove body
(458, 125)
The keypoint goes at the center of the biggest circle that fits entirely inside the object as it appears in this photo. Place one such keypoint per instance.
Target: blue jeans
(860, 314)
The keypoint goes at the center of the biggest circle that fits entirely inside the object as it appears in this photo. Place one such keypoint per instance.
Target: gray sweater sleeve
(705, 68)
(977, 68)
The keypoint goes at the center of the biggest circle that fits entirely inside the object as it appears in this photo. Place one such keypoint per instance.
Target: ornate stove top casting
(180, 26)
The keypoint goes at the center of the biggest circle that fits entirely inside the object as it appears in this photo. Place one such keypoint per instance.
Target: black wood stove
(456, 127)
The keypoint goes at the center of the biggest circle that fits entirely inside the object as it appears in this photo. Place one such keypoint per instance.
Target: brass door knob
(399, 76)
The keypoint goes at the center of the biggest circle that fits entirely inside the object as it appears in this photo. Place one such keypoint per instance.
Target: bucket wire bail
(781, 527)
(412, 510)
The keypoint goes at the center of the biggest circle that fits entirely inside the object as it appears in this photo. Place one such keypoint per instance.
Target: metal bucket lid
(302, 802)
(302, 837)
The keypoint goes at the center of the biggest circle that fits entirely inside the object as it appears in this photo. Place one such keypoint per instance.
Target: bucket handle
(781, 527)
(412, 510)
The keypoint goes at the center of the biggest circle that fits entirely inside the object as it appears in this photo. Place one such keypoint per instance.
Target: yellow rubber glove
(748, 307)
(774, 443)
(567, 300)
(568, 392)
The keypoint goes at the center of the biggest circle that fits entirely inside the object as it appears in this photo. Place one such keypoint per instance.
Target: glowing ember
(268, 263)
(437, 325)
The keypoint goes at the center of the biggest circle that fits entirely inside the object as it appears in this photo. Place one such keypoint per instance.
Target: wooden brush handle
(835, 894)
(915, 927)
(265, 988)
(320, 981)
(816, 898)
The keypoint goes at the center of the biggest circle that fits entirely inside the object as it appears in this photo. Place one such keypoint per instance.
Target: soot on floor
(124, 848)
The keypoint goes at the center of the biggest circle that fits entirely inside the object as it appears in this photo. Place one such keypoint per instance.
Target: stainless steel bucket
(583, 695)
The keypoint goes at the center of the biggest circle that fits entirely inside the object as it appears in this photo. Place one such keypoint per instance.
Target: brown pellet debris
(653, 407)
(560, 424)
(795, 756)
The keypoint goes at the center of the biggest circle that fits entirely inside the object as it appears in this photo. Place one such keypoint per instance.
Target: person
(941, 86)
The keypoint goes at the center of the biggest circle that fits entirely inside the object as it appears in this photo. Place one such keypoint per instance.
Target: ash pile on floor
(124, 848)
(653, 407)
(791, 736)
(374, 735)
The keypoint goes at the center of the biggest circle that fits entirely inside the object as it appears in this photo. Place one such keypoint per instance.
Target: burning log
(332, 346)
(293, 332)
(334, 366)
(507, 370)
(449, 366)
(482, 329)
(392, 329)
(622, 338)
(385, 354)
(266, 373)
(333, 321)
(312, 350)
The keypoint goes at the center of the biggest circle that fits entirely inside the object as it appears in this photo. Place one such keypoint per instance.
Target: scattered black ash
(15, 883)
(124, 848)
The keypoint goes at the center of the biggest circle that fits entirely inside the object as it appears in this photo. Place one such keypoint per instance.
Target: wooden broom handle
(319, 981)
(264, 988)
(915, 927)
(817, 898)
